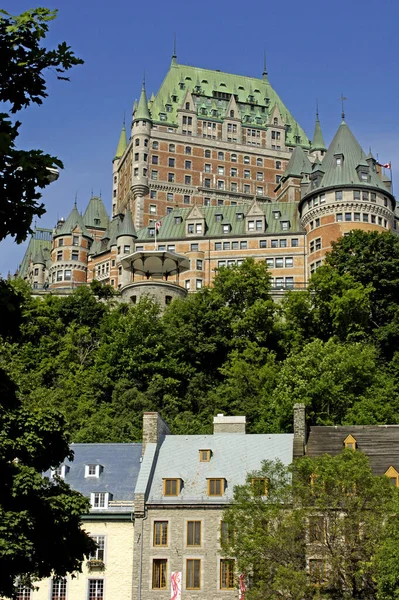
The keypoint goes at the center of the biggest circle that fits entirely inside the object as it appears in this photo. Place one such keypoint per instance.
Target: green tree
(24, 62)
(315, 530)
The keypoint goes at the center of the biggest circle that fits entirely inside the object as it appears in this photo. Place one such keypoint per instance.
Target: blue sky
(314, 50)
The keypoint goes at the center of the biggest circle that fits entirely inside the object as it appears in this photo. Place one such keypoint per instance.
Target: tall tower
(318, 147)
(141, 131)
(122, 145)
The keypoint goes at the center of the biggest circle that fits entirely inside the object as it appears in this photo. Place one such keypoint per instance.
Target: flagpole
(391, 178)
(156, 245)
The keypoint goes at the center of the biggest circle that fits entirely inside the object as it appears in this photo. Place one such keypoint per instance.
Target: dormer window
(162, 116)
(168, 107)
(60, 472)
(205, 455)
(363, 176)
(226, 228)
(100, 499)
(178, 220)
(338, 161)
(276, 214)
(93, 470)
(190, 228)
(393, 475)
(172, 487)
(350, 442)
(219, 217)
(216, 487)
(187, 105)
(275, 121)
(285, 225)
(239, 216)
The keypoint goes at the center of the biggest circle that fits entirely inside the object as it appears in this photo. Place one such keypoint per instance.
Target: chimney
(222, 424)
(299, 430)
(153, 429)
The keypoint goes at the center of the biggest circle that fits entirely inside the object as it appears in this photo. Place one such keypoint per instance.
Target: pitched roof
(317, 140)
(379, 442)
(74, 219)
(122, 144)
(120, 468)
(298, 164)
(178, 457)
(173, 229)
(255, 98)
(41, 240)
(345, 144)
(96, 210)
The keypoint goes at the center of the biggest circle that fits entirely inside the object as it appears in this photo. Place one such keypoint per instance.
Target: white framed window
(58, 588)
(93, 470)
(99, 553)
(59, 471)
(153, 209)
(96, 589)
(198, 284)
(100, 499)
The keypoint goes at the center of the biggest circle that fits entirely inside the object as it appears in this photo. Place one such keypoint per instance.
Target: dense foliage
(228, 349)
(323, 527)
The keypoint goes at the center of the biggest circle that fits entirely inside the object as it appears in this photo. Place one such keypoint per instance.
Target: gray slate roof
(233, 456)
(379, 442)
(121, 465)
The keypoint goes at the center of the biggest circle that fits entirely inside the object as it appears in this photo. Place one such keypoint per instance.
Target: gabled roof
(40, 241)
(120, 468)
(74, 219)
(298, 164)
(174, 229)
(96, 210)
(218, 86)
(178, 457)
(379, 442)
(345, 144)
(122, 144)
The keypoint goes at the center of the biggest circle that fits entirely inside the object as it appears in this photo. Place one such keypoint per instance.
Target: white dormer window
(276, 214)
(100, 499)
(93, 470)
(338, 161)
(60, 472)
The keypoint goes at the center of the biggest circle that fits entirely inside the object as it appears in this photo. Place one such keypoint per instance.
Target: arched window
(232, 114)
(275, 121)
(187, 105)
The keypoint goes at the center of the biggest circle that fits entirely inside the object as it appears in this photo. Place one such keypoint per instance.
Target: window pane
(58, 588)
(160, 533)
(194, 533)
(227, 574)
(193, 574)
(159, 573)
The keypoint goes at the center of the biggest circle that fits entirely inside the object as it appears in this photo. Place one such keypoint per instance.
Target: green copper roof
(74, 219)
(38, 257)
(173, 230)
(318, 140)
(40, 241)
(122, 144)
(127, 227)
(345, 145)
(255, 99)
(95, 215)
(142, 111)
(298, 164)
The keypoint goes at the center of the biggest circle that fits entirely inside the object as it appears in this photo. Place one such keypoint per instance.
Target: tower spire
(342, 103)
(142, 111)
(318, 140)
(174, 55)
(122, 144)
(264, 74)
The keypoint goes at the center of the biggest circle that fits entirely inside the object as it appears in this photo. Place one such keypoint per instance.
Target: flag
(386, 165)
(158, 225)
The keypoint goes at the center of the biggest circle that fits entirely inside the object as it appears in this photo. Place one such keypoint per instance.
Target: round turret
(141, 131)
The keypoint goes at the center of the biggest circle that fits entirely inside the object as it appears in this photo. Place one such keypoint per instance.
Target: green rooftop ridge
(74, 219)
(208, 85)
(298, 164)
(122, 144)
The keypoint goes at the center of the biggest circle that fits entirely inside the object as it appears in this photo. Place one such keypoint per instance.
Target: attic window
(181, 85)
(97, 221)
(239, 216)
(350, 442)
(100, 499)
(93, 470)
(275, 121)
(205, 455)
(171, 487)
(187, 78)
(218, 217)
(251, 98)
(168, 107)
(363, 176)
(222, 85)
(216, 487)
(174, 98)
(338, 161)
(240, 87)
(162, 116)
(178, 220)
(60, 472)
(259, 486)
(276, 214)
(393, 475)
(204, 81)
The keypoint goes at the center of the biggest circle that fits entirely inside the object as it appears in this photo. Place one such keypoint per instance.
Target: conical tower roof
(95, 214)
(142, 111)
(298, 164)
(122, 144)
(74, 219)
(344, 172)
(318, 140)
(126, 227)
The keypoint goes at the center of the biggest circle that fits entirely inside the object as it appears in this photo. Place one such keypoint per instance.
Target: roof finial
(342, 102)
(144, 80)
(76, 199)
(124, 119)
(317, 109)
(264, 74)
(174, 55)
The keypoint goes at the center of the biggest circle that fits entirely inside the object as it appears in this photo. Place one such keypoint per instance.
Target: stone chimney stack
(299, 430)
(153, 429)
(222, 424)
